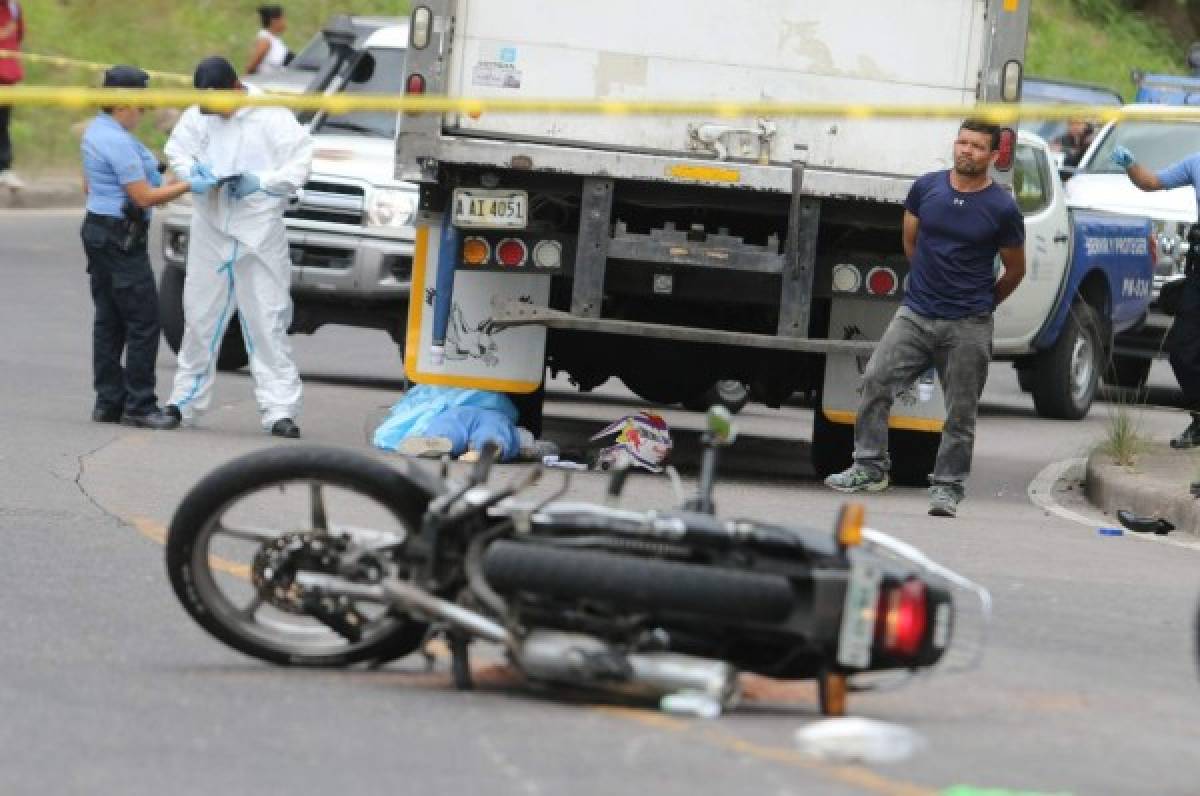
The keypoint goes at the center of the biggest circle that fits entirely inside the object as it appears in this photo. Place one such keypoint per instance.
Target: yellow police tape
(58, 60)
(80, 98)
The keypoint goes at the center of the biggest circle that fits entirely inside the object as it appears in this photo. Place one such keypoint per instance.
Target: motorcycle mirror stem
(720, 432)
(616, 484)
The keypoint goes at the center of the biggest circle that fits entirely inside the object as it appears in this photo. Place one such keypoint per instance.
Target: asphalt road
(106, 686)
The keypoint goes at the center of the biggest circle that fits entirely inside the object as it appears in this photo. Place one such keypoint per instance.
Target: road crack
(81, 466)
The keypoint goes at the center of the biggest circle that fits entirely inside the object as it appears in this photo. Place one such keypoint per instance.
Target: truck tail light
(422, 23)
(882, 281)
(1008, 145)
(415, 84)
(846, 278)
(901, 619)
(476, 251)
(512, 252)
(1154, 250)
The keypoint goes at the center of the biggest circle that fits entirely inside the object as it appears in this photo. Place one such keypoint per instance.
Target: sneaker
(9, 179)
(943, 500)
(155, 420)
(858, 478)
(1190, 438)
(425, 447)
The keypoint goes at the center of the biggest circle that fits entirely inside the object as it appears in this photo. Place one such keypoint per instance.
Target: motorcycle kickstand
(460, 661)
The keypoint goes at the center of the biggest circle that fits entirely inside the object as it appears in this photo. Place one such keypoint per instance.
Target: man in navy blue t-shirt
(955, 223)
(1183, 341)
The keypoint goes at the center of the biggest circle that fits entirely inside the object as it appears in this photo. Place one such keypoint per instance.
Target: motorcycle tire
(404, 491)
(644, 584)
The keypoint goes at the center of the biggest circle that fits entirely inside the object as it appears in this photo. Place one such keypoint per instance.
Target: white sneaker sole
(877, 486)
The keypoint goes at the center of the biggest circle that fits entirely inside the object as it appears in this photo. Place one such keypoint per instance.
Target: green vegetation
(1095, 41)
(162, 35)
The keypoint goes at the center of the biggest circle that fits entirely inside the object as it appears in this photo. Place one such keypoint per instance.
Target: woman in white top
(270, 53)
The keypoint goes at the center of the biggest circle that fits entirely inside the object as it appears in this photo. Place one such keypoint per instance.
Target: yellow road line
(157, 532)
(1006, 113)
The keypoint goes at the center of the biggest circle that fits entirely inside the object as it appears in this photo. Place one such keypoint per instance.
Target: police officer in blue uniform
(122, 180)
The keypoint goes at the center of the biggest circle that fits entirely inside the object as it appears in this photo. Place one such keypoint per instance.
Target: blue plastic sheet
(467, 417)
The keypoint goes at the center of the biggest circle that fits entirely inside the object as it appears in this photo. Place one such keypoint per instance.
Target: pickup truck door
(1042, 200)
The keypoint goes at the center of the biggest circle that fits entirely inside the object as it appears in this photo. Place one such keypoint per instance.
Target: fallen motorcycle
(638, 603)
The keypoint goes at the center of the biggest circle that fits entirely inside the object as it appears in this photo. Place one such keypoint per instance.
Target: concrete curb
(42, 194)
(1111, 487)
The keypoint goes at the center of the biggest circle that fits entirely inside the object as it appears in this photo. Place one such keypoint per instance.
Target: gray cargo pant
(961, 351)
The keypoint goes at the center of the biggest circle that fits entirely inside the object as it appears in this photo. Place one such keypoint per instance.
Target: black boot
(286, 427)
(1190, 438)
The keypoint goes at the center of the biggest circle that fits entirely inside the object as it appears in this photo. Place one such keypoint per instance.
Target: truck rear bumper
(522, 314)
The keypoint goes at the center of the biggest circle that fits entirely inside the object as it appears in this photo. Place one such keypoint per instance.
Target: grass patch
(1123, 437)
(163, 35)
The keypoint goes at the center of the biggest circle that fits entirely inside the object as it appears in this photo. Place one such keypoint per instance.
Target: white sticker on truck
(497, 67)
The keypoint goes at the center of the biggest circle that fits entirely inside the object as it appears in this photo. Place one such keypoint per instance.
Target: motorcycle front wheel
(224, 531)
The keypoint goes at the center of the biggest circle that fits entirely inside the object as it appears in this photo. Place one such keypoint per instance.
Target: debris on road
(858, 740)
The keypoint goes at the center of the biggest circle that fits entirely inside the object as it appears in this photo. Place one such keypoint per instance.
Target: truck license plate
(858, 615)
(482, 209)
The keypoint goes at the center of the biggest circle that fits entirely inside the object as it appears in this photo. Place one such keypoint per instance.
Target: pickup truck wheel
(832, 444)
(1067, 374)
(1125, 371)
(170, 315)
(729, 393)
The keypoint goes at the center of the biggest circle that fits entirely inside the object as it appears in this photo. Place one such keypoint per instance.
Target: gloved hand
(200, 184)
(246, 184)
(1121, 157)
(202, 170)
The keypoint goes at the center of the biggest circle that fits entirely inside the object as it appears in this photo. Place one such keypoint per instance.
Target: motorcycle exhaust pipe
(409, 597)
(580, 660)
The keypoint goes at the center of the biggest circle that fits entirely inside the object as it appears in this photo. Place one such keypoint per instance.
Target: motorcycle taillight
(902, 618)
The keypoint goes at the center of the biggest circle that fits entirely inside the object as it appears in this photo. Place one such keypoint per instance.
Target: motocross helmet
(639, 440)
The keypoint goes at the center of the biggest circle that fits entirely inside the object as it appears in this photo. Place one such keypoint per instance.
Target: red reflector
(881, 281)
(512, 252)
(902, 619)
(415, 84)
(1008, 144)
(1153, 251)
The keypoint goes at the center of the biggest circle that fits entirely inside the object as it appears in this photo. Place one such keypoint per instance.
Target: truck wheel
(170, 314)
(832, 444)
(914, 454)
(729, 393)
(1066, 375)
(1126, 371)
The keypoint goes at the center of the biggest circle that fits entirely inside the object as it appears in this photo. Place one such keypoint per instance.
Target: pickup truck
(350, 229)
(1088, 278)
(1098, 184)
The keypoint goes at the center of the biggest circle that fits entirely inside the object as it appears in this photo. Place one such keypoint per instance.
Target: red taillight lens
(1153, 251)
(1008, 144)
(882, 281)
(512, 252)
(415, 84)
(902, 618)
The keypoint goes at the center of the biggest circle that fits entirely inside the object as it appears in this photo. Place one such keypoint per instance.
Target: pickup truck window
(1031, 185)
(1155, 145)
(386, 78)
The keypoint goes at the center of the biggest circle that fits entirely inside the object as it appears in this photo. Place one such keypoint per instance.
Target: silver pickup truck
(350, 228)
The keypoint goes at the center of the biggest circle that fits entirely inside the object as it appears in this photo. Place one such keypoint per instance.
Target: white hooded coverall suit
(238, 254)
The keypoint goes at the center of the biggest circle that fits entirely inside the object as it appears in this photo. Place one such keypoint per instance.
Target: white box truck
(673, 251)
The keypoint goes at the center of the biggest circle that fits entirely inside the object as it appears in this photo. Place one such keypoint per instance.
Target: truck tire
(914, 454)
(1127, 371)
(1067, 374)
(832, 444)
(232, 355)
(729, 393)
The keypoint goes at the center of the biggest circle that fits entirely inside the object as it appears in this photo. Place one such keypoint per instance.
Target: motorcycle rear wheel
(209, 584)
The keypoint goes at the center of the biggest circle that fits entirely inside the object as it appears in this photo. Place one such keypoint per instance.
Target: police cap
(123, 76)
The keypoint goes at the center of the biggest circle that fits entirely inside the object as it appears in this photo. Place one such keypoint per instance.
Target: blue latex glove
(202, 170)
(246, 184)
(1121, 157)
(200, 184)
